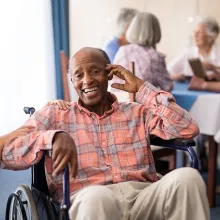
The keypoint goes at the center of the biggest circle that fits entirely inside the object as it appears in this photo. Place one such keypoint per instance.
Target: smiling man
(116, 177)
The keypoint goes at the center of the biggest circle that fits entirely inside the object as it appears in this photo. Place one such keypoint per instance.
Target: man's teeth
(90, 90)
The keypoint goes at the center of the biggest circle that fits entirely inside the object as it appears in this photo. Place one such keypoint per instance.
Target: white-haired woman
(205, 34)
(143, 35)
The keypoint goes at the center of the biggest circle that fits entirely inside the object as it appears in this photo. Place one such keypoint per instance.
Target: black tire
(21, 205)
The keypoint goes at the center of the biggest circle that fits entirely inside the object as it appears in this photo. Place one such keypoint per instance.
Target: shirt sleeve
(22, 152)
(163, 117)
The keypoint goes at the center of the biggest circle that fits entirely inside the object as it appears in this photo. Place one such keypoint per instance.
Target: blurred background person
(205, 34)
(143, 35)
(123, 21)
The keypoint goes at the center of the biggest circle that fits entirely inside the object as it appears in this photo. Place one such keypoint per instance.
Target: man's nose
(88, 79)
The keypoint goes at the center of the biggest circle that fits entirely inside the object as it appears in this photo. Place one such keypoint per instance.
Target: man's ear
(110, 77)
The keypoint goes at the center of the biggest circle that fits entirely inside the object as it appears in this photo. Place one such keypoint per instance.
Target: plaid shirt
(112, 148)
(150, 65)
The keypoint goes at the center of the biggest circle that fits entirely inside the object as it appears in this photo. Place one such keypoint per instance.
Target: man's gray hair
(124, 19)
(211, 25)
(144, 30)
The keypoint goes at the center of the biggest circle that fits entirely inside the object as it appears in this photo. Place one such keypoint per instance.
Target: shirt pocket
(86, 150)
(131, 154)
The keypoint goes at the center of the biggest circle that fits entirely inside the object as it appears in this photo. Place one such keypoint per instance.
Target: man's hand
(197, 83)
(64, 153)
(132, 83)
(22, 131)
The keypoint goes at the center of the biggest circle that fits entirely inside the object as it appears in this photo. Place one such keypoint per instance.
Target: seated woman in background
(200, 84)
(205, 35)
(143, 34)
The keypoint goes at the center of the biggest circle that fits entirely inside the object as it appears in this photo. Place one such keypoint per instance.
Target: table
(205, 109)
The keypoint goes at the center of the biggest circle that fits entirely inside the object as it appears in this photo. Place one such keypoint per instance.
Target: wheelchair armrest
(178, 144)
(174, 142)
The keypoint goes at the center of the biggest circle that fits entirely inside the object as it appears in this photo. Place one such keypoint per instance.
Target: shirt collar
(114, 106)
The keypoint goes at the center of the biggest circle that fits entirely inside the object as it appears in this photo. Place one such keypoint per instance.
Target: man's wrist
(58, 135)
(139, 84)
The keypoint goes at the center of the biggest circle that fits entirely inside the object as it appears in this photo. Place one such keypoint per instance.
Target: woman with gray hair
(143, 35)
(205, 34)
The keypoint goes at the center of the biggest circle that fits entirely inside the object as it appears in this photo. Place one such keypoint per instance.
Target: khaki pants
(179, 195)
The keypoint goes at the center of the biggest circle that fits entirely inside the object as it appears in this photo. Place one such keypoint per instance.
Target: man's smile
(90, 89)
(90, 92)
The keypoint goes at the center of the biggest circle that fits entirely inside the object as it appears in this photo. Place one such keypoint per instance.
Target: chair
(161, 155)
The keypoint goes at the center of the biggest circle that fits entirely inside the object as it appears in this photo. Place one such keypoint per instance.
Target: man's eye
(78, 76)
(95, 71)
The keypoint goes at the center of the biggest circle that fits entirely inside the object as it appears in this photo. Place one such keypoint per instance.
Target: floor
(9, 180)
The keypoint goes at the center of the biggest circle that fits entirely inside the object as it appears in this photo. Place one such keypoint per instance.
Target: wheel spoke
(21, 205)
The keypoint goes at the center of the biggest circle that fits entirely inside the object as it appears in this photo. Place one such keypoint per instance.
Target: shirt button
(103, 143)
(116, 176)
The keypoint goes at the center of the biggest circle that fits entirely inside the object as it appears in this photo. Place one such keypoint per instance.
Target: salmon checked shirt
(112, 148)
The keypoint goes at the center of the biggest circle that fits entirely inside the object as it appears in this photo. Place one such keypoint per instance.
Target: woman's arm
(200, 84)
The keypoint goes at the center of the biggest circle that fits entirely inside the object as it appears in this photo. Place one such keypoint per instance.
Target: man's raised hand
(132, 83)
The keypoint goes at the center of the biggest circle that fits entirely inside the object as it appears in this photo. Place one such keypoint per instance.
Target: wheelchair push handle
(29, 110)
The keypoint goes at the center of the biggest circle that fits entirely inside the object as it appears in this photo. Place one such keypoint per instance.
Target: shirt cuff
(48, 139)
(146, 93)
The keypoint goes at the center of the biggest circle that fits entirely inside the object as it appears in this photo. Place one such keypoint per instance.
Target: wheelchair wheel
(21, 205)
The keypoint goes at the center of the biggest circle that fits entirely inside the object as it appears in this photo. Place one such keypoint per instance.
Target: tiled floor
(9, 180)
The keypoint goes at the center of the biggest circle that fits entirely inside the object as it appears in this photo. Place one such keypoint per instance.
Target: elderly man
(116, 176)
(123, 21)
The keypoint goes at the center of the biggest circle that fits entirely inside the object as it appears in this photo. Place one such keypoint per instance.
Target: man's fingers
(55, 153)
(63, 163)
(57, 161)
(118, 86)
(109, 67)
(117, 73)
(73, 167)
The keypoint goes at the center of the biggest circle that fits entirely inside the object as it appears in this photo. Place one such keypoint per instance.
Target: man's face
(200, 35)
(89, 77)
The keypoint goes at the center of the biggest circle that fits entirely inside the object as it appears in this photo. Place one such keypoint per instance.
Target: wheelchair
(35, 203)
